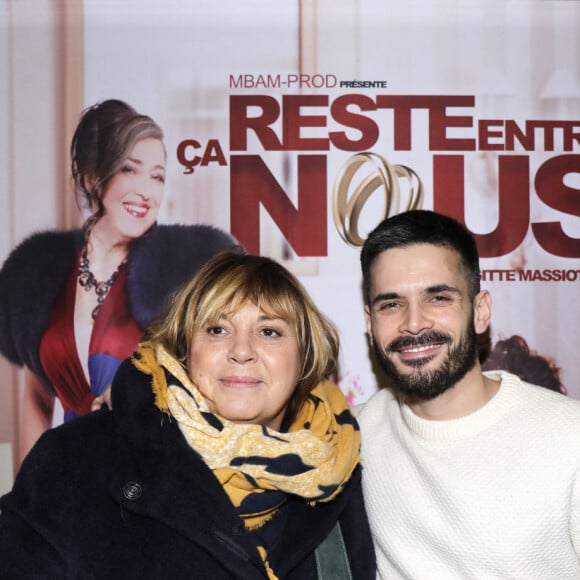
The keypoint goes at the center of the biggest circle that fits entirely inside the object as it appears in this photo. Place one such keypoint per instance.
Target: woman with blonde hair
(228, 454)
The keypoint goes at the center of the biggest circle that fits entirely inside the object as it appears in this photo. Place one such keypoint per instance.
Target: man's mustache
(404, 342)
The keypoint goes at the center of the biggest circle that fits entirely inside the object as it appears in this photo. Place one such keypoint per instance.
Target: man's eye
(440, 298)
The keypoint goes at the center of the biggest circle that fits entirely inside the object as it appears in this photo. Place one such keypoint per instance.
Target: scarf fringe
(144, 360)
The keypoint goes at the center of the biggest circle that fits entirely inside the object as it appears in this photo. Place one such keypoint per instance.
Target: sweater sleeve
(575, 515)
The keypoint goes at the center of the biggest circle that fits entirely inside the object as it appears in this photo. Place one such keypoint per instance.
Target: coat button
(132, 490)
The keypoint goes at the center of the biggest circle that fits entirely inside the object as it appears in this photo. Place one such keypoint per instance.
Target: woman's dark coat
(120, 495)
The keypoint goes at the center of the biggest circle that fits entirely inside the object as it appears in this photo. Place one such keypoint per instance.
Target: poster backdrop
(296, 126)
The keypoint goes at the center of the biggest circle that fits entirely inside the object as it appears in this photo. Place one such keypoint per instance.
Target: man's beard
(421, 384)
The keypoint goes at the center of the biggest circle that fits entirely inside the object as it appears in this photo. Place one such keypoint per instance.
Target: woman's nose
(147, 188)
(242, 349)
(143, 190)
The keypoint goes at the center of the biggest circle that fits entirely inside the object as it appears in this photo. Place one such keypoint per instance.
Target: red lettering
(440, 121)
(188, 162)
(241, 123)
(485, 134)
(552, 190)
(402, 118)
(213, 153)
(513, 200)
(252, 184)
(294, 121)
(367, 127)
(571, 136)
(527, 138)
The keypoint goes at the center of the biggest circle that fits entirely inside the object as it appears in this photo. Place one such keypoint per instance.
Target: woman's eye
(215, 330)
(269, 332)
(127, 169)
(159, 177)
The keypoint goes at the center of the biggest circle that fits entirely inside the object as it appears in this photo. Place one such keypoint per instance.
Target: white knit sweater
(495, 494)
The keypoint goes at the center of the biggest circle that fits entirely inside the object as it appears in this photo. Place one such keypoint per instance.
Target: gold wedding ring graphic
(384, 176)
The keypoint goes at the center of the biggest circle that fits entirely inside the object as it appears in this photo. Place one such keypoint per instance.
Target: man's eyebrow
(441, 288)
(385, 296)
(429, 290)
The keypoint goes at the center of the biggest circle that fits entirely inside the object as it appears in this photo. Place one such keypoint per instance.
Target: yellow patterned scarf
(257, 466)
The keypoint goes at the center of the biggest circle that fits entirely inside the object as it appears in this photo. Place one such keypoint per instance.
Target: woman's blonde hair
(228, 281)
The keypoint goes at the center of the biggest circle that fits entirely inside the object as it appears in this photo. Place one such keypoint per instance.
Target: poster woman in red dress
(74, 304)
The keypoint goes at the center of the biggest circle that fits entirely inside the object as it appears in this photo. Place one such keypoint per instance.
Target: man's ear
(369, 325)
(481, 311)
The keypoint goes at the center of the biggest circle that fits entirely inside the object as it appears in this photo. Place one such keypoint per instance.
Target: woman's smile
(138, 210)
(240, 382)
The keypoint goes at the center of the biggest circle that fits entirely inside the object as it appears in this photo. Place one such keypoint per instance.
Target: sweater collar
(472, 424)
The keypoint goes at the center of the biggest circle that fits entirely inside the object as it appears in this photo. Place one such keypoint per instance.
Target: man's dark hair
(421, 227)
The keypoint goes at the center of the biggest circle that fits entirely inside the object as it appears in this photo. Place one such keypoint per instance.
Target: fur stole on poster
(37, 270)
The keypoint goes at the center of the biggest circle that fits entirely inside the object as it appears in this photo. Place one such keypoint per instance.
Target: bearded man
(466, 474)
